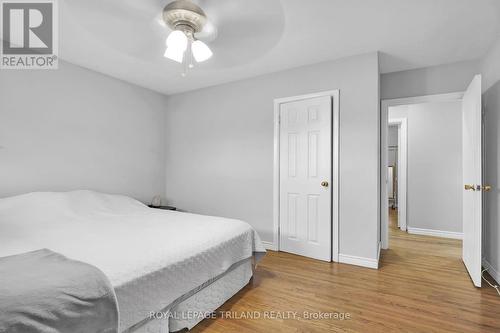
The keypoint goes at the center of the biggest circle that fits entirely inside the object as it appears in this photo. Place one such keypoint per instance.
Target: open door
(471, 162)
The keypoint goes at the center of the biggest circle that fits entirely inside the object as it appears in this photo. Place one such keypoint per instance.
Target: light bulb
(201, 51)
(177, 40)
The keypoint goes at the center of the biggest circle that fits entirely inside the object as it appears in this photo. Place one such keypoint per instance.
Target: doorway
(443, 165)
(429, 153)
(306, 182)
(397, 161)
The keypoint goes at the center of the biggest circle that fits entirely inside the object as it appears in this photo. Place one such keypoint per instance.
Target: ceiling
(125, 38)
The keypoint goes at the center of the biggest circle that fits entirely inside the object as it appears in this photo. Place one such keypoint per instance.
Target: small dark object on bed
(163, 207)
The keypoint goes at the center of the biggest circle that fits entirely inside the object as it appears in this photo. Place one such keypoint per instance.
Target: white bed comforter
(150, 256)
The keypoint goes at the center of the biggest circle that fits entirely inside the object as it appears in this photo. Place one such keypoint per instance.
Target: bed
(166, 267)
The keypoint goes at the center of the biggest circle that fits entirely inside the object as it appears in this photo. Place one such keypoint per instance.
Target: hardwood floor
(421, 286)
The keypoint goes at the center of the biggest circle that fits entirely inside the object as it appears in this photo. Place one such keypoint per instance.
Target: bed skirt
(200, 303)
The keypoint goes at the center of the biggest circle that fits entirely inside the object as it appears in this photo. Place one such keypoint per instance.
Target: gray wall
(392, 141)
(490, 66)
(434, 164)
(428, 81)
(72, 128)
(491, 175)
(220, 147)
(392, 156)
(392, 136)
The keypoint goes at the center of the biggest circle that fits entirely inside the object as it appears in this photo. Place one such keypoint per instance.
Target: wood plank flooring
(421, 286)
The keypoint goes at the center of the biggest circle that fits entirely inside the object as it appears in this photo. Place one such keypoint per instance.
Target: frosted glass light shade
(177, 43)
(174, 54)
(201, 51)
(177, 40)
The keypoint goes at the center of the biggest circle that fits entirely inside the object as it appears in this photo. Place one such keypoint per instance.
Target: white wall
(434, 164)
(72, 128)
(428, 81)
(220, 147)
(491, 175)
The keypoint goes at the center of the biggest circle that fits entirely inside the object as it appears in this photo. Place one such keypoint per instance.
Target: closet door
(305, 177)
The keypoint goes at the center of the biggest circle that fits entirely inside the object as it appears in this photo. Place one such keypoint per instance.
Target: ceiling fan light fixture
(201, 51)
(185, 19)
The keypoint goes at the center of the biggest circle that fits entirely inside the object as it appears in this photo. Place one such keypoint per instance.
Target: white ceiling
(124, 38)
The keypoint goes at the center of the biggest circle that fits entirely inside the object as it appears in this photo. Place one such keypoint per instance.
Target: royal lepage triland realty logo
(29, 34)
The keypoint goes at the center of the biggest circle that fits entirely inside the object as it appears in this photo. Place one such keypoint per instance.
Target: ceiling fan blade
(209, 32)
(128, 26)
(246, 29)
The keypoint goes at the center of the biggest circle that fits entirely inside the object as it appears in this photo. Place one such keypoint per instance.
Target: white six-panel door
(305, 177)
(472, 192)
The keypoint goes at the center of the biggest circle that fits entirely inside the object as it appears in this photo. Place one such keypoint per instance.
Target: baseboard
(435, 233)
(491, 270)
(269, 246)
(358, 261)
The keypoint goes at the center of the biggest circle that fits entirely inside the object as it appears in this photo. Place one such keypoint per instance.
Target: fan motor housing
(184, 15)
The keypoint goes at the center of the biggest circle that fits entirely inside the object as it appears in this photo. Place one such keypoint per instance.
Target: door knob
(324, 183)
(469, 187)
(486, 188)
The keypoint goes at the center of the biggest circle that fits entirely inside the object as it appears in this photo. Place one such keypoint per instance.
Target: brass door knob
(486, 188)
(324, 183)
(468, 187)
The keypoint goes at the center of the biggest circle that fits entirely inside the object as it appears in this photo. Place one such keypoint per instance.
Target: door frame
(384, 124)
(334, 94)
(402, 124)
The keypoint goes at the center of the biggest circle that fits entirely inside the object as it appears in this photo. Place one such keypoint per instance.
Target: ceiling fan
(186, 20)
(238, 32)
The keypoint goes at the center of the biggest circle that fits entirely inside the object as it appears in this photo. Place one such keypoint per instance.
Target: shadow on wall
(491, 200)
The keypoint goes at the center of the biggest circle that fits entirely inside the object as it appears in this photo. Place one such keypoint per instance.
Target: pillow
(68, 203)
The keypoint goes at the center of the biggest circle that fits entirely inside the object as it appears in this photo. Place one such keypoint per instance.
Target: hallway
(403, 243)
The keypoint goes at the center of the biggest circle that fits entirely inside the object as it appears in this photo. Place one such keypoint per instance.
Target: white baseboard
(491, 270)
(358, 261)
(435, 233)
(269, 246)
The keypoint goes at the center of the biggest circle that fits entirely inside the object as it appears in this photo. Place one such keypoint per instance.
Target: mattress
(151, 257)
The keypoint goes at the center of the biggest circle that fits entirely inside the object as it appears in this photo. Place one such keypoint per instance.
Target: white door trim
(384, 119)
(335, 94)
